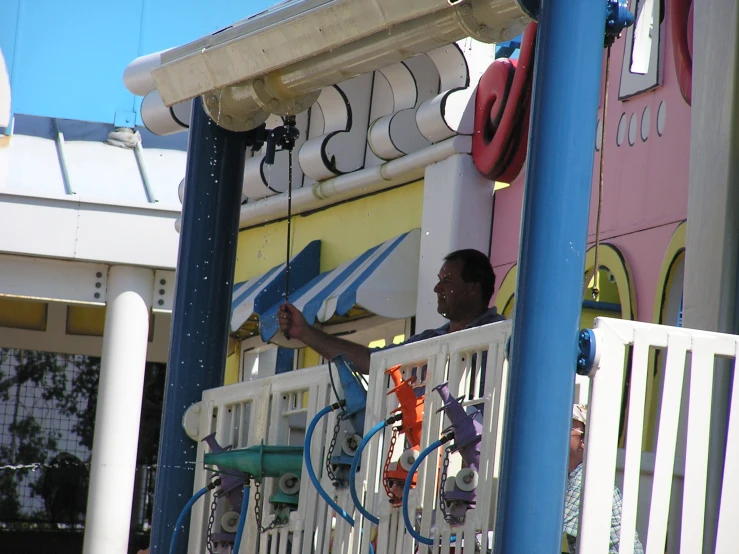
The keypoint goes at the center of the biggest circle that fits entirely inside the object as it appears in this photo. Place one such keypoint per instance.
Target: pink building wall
(645, 185)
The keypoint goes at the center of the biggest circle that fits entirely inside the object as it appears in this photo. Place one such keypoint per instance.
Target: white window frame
(636, 83)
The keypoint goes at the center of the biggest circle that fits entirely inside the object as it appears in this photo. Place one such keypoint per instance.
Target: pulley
(289, 483)
(230, 522)
(407, 459)
(350, 443)
(467, 479)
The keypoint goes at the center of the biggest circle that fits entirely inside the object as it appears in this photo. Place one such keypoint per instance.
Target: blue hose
(312, 474)
(407, 491)
(181, 519)
(353, 471)
(242, 520)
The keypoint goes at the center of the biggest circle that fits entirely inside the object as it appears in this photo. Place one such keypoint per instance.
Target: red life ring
(502, 108)
(681, 29)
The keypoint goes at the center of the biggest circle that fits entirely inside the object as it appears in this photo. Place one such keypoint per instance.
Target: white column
(457, 213)
(4, 120)
(712, 243)
(113, 467)
(4, 93)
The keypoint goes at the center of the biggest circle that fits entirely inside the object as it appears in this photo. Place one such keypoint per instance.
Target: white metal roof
(67, 193)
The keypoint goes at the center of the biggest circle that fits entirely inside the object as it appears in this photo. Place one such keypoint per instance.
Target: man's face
(577, 443)
(456, 299)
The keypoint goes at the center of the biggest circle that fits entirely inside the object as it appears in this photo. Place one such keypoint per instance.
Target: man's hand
(292, 322)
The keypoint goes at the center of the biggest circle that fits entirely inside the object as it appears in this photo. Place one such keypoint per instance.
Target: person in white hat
(574, 489)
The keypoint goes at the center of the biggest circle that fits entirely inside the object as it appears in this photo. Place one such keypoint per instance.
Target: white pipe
(358, 183)
(271, 66)
(160, 119)
(113, 465)
(271, 41)
(137, 75)
(4, 93)
(62, 155)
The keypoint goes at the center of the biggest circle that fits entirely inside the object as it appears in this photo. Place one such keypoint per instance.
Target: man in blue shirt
(463, 293)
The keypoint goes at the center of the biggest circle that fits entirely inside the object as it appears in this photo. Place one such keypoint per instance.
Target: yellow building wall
(345, 230)
(233, 363)
(85, 320)
(23, 314)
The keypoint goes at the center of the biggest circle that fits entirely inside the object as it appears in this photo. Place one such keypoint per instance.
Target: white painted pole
(457, 213)
(712, 241)
(117, 421)
(4, 93)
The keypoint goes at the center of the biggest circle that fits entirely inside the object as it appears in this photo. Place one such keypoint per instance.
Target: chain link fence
(47, 420)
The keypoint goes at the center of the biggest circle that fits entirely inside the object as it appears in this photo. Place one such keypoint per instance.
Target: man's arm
(294, 324)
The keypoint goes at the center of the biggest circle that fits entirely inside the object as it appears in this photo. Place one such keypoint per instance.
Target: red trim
(681, 27)
(502, 108)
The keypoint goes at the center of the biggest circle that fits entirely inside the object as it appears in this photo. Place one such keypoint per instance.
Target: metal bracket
(618, 18)
(587, 352)
(283, 137)
(587, 355)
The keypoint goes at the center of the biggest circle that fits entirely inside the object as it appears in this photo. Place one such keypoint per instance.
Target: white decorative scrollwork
(339, 148)
(396, 133)
(451, 111)
(376, 117)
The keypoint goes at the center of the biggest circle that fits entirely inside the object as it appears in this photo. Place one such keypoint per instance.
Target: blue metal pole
(569, 57)
(202, 305)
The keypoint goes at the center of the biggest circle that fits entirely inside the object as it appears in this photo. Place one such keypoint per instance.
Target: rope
(288, 122)
(595, 290)
(289, 222)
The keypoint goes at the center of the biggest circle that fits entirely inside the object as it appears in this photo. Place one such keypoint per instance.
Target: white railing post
(601, 441)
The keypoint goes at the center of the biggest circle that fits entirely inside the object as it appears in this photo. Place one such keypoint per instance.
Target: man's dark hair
(476, 268)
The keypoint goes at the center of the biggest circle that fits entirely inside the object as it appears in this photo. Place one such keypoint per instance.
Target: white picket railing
(664, 491)
(457, 358)
(275, 410)
(674, 496)
(246, 413)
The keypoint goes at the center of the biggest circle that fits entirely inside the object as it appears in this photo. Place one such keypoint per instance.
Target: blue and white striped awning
(256, 296)
(382, 281)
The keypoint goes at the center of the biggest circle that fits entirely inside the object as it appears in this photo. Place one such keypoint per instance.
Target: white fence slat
(497, 365)
(727, 537)
(677, 347)
(632, 469)
(425, 491)
(599, 465)
(696, 452)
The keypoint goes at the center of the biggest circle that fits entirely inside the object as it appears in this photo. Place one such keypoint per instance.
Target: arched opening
(616, 296)
(613, 286)
(668, 308)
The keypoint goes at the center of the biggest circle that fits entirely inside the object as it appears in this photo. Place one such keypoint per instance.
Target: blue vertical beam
(202, 305)
(569, 56)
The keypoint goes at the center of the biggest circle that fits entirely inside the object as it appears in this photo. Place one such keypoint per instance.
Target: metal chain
(330, 453)
(385, 483)
(442, 482)
(211, 521)
(258, 509)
